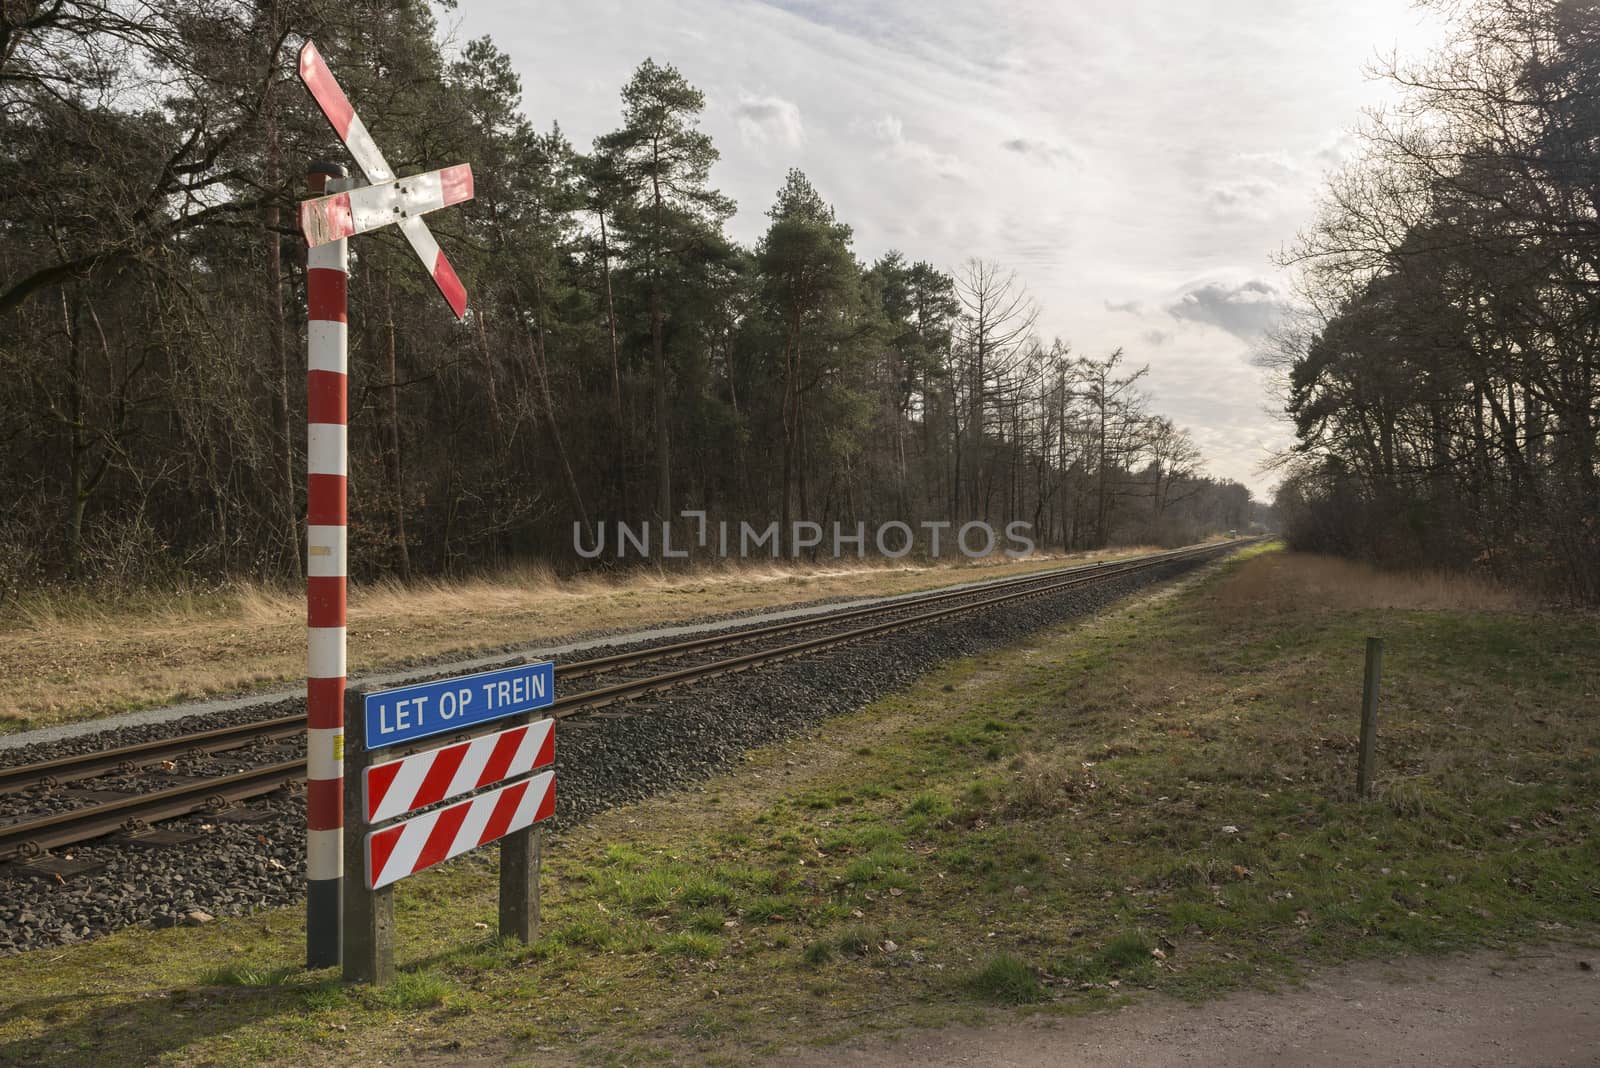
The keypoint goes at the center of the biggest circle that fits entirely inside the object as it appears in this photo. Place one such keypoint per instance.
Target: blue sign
(412, 712)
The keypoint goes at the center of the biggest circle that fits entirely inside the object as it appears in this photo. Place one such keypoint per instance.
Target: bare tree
(996, 323)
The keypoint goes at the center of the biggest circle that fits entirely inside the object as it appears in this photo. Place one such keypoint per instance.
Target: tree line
(1443, 384)
(623, 358)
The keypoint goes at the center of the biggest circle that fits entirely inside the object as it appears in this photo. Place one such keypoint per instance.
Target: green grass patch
(413, 990)
(690, 944)
(246, 975)
(1006, 979)
(771, 909)
(1126, 957)
(858, 939)
(817, 953)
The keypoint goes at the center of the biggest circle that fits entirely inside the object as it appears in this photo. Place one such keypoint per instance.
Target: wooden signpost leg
(519, 884)
(1369, 717)
(368, 945)
(369, 936)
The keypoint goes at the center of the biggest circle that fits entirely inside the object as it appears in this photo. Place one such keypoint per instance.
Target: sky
(1138, 164)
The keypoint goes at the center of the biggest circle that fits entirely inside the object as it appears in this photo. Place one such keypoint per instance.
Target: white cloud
(1337, 150)
(1039, 150)
(1257, 197)
(886, 128)
(889, 143)
(772, 120)
(1247, 310)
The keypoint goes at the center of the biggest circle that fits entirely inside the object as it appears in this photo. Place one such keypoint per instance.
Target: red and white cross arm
(423, 779)
(336, 108)
(406, 848)
(317, 78)
(343, 215)
(433, 258)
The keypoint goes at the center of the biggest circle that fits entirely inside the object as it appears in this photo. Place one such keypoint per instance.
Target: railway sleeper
(54, 869)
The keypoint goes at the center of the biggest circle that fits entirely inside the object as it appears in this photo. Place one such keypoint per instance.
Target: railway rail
(30, 837)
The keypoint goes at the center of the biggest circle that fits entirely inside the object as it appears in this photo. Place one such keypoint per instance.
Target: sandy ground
(1539, 1007)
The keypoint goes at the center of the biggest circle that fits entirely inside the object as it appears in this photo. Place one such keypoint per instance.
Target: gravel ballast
(665, 741)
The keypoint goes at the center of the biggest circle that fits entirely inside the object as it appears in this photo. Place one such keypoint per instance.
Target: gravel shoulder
(1495, 1009)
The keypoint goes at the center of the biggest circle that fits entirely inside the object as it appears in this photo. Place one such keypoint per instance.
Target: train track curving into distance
(30, 837)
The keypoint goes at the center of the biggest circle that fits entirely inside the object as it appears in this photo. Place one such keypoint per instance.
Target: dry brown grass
(75, 658)
(1285, 582)
(1044, 784)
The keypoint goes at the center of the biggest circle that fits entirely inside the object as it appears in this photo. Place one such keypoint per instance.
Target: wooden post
(1369, 716)
(368, 945)
(519, 884)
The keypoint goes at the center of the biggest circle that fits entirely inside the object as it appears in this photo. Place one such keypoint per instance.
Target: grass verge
(1160, 799)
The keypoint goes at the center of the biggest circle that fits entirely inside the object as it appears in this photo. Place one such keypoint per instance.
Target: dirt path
(1537, 1008)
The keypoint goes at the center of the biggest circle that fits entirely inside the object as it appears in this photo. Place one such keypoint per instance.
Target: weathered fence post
(1369, 716)
(368, 944)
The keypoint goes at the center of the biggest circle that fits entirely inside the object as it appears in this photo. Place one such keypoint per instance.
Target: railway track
(30, 837)
(130, 758)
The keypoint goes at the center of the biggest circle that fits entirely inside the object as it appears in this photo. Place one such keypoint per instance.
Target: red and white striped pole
(327, 274)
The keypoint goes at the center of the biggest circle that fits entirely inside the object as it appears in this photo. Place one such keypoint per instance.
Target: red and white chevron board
(423, 779)
(336, 108)
(358, 211)
(408, 847)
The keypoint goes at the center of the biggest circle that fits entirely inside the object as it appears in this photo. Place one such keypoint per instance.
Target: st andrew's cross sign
(405, 200)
